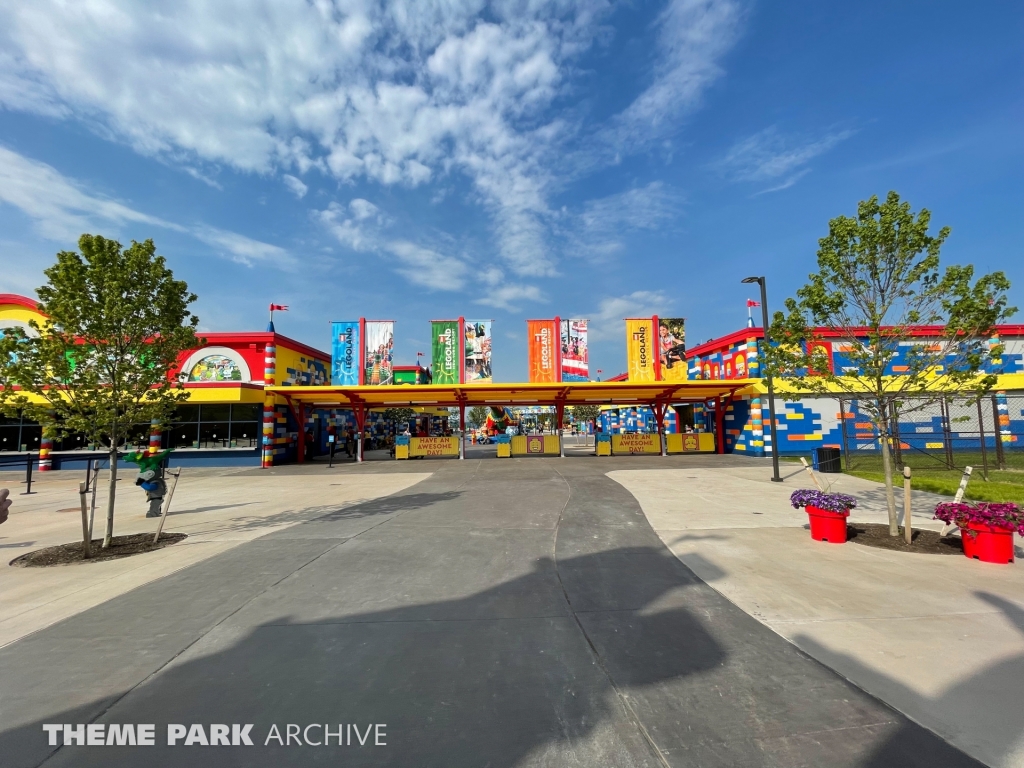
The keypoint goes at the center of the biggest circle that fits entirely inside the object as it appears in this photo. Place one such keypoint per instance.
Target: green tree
(477, 416)
(105, 359)
(581, 414)
(396, 416)
(878, 279)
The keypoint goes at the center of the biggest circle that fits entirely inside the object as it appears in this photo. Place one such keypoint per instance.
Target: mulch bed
(922, 542)
(120, 546)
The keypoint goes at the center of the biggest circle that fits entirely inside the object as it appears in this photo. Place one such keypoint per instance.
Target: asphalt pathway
(499, 613)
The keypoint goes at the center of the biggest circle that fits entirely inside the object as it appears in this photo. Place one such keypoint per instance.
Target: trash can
(827, 460)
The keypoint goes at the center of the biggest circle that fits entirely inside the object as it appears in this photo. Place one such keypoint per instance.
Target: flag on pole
(278, 307)
(752, 303)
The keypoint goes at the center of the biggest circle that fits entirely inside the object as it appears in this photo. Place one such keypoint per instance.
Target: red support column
(719, 425)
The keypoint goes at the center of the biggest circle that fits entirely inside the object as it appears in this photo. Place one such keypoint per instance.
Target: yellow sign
(641, 350)
(433, 446)
(523, 445)
(695, 442)
(632, 442)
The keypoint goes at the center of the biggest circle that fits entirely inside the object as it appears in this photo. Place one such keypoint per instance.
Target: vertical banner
(444, 351)
(641, 355)
(346, 353)
(478, 352)
(575, 366)
(542, 350)
(672, 348)
(380, 347)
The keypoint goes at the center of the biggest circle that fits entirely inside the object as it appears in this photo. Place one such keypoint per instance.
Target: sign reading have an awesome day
(434, 446)
(634, 442)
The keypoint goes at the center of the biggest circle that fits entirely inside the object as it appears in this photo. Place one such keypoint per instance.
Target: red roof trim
(222, 385)
(21, 301)
(262, 337)
(924, 331)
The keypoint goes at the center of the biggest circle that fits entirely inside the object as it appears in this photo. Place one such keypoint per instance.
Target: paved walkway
(941, 638)
(508, 613)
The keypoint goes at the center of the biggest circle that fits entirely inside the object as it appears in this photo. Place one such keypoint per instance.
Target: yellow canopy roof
(567, 393)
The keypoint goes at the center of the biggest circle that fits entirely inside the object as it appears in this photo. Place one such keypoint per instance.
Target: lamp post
(768, 377)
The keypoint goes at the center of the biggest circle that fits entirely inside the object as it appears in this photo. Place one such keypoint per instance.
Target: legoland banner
(672, 348)
(380, 347)
(446, 361)
(478, 352)
(575, 366)
(542, 349)
(346, 357)
(641, 359)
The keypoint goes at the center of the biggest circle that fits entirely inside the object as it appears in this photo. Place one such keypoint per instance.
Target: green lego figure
(151, 478)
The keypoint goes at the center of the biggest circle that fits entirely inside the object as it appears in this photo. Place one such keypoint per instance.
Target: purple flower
(998, 515)
(833, 502)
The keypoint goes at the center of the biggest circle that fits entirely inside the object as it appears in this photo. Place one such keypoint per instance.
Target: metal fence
(945, 434)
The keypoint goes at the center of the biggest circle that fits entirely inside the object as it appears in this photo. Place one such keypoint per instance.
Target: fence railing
(948, 433)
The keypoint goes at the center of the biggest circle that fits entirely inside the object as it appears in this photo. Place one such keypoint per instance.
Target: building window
(215, 426)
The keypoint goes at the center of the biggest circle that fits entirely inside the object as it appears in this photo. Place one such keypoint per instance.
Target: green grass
(927, 474)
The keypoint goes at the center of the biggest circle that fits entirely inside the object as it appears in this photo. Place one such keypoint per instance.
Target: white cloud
(509, 296)
(62, 209)
(394, 92)
(768, 155)
(242, 249)
(606, 322)
(597, 232)
(295, 186)
(692, 36)
(423, 266)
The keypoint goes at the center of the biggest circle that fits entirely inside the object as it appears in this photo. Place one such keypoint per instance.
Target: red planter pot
(988, 543)
(826, 525)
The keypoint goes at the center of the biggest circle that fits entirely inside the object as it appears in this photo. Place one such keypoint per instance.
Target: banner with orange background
(641, 349)
(543, 350)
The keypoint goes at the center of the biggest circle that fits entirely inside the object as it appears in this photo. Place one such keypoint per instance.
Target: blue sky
(509, 160)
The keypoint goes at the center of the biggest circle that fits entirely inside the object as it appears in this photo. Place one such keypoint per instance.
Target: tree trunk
(112, 491)
(890, 497)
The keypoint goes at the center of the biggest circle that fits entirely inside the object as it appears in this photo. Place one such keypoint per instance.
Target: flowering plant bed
(826, 512)
(985, 528)
(996, 515)
(830, 502)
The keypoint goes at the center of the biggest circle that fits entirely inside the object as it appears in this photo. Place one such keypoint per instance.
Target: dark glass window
(246, 433)
(213, 434)
(185, 413)
(246, 412)
(9, 438)
(215, 413)
(184, 435)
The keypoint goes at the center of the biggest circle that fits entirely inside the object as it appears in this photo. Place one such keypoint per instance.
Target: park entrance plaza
(360, 400)
(579, 611)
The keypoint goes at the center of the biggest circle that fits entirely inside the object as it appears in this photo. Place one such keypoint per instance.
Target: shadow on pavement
(985, 705)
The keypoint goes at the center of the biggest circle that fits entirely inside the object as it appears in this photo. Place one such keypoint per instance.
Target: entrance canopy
(661, 393)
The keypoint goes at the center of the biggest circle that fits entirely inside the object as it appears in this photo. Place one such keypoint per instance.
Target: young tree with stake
(878, 282)
(104, 360)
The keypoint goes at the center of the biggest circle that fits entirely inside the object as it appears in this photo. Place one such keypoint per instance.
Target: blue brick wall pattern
(634, 419)
(314, 374)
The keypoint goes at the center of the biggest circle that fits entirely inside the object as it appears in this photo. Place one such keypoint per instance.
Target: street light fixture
(768, 377)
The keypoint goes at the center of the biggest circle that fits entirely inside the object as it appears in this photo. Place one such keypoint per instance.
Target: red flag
(278, 307)
(752, 303)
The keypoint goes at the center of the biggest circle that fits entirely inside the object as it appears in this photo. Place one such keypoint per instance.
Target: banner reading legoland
(346, 353)
(478, 352)
(380, 347)
(445, 357)
(574, 351)
(672, 348)
(542, 350)
(641, 357)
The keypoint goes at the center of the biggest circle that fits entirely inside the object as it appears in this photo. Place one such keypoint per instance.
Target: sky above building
(508, 159)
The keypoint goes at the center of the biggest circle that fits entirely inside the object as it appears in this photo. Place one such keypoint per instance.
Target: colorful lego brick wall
(297, 369)
(634, 419)
(737, 360)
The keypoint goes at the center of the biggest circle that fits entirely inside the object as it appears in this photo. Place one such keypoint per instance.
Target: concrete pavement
(218, 509)
(941, 638)
(499, 613)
